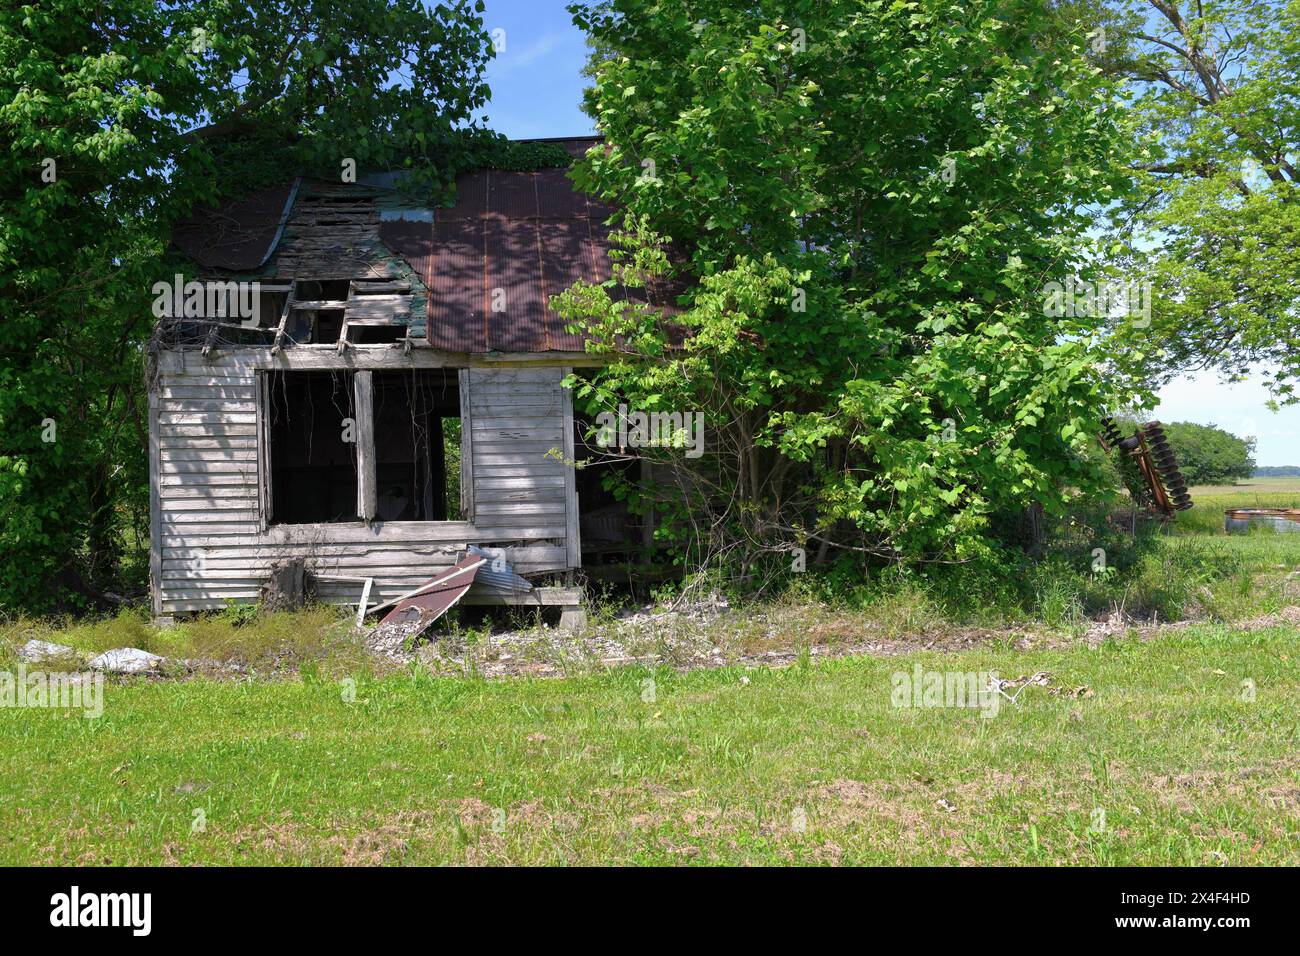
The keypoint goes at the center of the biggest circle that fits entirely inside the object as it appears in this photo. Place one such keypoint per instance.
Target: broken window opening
(320, 325)
(312, 454)
(376, 334)
(352, 311)
(417, 445)
(229, 313)
(270, 305)
(322, 290)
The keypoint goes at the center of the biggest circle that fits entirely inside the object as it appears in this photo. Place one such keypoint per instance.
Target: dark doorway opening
(417, 445)
(607, 483)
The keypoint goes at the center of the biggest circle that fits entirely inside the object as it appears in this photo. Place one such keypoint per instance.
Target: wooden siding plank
(199, 406)
(219, 493)
(546, 430)
(242, 456)
(207, 431)
(536, 460)
(208, 444)
(209, 418)
(217, 390)
(375, 309)
(176, 506)
(572, 525)
(170, 466)
(522, 507)
(528, 470)
(399, 557)
(548, 482)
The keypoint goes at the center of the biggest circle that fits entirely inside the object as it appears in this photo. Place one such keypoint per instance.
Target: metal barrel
(1241, 520)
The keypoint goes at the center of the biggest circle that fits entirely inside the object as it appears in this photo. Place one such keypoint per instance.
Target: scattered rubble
(394, 640)
(704, 635)
(209, 667)
(40, 652)
(707, 634)
(710, 635)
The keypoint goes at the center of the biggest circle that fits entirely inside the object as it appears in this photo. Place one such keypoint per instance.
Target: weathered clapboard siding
(207, 483)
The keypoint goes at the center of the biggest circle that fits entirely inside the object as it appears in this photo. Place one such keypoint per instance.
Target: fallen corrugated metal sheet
(435, 598)
(497, 574)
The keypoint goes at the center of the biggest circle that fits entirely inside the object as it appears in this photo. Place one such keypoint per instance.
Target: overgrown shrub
(857, 222)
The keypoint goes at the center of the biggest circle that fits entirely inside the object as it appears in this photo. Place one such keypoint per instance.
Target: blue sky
(1238, 408)
(536, 79)
(537, 86)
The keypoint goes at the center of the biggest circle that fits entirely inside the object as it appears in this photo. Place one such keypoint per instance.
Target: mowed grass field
(1164, 759)
(1177, 746)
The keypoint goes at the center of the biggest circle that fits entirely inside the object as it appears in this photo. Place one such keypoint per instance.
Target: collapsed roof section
(480, 273)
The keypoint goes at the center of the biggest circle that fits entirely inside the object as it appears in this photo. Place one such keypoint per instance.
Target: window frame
(366, 458)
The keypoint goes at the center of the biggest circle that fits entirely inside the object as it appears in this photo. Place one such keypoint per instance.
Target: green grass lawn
(1164, 759)
(1165, 762)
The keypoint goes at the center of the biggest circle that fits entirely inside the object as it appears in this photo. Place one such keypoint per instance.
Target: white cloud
(1237, 407)
(506, 63)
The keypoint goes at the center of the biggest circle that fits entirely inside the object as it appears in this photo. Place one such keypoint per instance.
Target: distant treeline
(1277, 471)
(1207, 455)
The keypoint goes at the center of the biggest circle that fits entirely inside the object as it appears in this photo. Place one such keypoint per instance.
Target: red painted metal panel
(434, 602)
(512, 195)
(471, 197)
(457, 298)
(568, 254)
(514, 286)
(557, 198)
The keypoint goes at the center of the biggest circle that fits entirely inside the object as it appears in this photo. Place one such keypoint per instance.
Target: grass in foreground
(1167, 762)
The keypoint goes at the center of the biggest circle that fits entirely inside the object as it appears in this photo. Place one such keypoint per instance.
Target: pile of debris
(125, 661)
(416, 610)
(119, 660)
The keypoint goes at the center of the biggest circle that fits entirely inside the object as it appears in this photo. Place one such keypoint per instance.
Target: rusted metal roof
(493, 259)
(240, 235)
(436, 596)
(490, 262)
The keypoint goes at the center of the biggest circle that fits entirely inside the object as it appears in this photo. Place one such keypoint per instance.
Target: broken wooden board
(366, 309)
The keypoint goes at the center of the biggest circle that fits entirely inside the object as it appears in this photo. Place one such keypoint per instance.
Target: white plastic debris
(127, 660)
(37, 651)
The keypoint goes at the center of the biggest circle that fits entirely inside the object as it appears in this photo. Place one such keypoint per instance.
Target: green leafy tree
(116, 118)
(860, 204)
(1215, 223)
(1210, 456)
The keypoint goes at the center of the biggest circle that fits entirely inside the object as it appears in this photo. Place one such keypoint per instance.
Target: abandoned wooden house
(389, 396)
